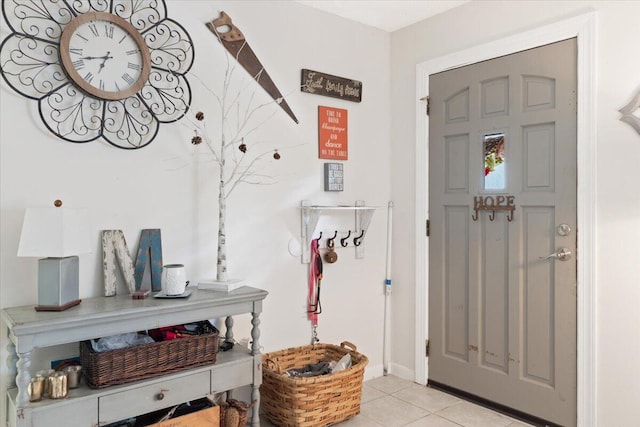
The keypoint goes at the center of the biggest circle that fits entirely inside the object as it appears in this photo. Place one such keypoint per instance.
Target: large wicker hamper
(316, 401)
(147, 360)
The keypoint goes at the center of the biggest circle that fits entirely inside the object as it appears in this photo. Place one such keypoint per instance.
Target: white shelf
(310, 214)
(339, 208)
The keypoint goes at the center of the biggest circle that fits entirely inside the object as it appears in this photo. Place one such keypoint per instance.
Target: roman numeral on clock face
(94, 29)
(75, 51)
(127, 78)
(108, 31)
(133, 66)
(79, 64)
(88, 77)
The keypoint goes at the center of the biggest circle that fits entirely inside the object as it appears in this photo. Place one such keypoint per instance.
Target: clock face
(104, 55)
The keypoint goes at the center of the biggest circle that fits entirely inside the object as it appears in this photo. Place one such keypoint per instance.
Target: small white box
(221, 285)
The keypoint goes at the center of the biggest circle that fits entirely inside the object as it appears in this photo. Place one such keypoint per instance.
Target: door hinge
(426, 348)
(428, 101)
(428, 228)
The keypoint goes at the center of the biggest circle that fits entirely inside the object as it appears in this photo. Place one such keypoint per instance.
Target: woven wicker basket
(314, 401)
(241, 408)
(146, 361)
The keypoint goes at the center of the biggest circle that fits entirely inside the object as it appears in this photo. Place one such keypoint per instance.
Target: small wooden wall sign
(333, 177)
(319, 83)
(332, 133)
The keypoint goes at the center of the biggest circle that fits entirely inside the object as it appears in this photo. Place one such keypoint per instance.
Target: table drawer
(148, 398)
(73, 413)
(228, 379)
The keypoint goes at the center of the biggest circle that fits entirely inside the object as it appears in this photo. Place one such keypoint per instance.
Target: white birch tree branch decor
(234, 147)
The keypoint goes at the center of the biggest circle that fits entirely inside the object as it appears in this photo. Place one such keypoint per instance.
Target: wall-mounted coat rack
(493, 204)
(310, 214)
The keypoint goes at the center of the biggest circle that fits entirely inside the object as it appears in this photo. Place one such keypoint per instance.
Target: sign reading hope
(495, 203)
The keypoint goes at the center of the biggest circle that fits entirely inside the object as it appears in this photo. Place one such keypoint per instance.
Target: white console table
(104, 316)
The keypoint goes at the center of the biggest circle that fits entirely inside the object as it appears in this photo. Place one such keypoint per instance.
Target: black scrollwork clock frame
(31, 64)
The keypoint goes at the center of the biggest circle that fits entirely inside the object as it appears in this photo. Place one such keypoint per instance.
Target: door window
(494, 162)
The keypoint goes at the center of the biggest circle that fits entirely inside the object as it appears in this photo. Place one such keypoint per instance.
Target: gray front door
(502, 249)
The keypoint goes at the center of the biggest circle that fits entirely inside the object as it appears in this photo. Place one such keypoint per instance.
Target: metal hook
(343, 241)
(475, 216)
(492, 216)
(330, 240)
(319, 237)
(510, 216)
(358, 240)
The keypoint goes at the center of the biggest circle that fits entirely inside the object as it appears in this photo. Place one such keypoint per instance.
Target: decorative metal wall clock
(111, 69)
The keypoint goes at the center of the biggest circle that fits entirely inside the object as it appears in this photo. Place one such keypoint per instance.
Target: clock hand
(105, 57)
(104, 60)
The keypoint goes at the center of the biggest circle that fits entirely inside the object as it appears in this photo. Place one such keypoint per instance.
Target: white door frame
(584, 28)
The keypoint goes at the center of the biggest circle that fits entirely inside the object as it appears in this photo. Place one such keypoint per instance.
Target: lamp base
(57, 308)
(58, 285)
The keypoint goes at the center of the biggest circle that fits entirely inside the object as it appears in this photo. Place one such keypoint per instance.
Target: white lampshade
(54, 232)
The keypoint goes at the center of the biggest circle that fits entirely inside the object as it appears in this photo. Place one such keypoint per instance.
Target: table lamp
(59, 234)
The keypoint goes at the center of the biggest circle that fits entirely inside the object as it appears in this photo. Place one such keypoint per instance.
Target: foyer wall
(171, 185)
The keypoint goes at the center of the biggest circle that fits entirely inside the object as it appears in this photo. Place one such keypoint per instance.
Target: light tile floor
(393, 402)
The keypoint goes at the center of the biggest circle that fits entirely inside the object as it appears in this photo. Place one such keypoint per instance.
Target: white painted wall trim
(375, 371)
(584, 28)
(401, 371)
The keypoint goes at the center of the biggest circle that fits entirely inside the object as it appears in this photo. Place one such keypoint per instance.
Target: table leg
(12, 360)
(23, 378)
(255, 351)
(255, 334)
(228, 323)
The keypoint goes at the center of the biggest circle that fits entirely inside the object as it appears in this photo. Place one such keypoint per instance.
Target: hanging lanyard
(315, 278)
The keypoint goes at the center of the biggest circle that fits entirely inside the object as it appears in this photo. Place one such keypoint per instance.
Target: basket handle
(276, 365)
(348, 345)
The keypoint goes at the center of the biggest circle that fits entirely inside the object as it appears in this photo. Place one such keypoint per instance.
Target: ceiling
(386, 15)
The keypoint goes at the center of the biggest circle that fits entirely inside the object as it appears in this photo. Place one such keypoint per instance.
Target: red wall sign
(332, 133)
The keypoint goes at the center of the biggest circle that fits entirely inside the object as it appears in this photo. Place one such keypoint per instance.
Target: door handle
(563, 254)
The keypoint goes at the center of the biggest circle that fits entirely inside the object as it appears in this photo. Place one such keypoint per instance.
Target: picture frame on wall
(333, 177)
(332, 133)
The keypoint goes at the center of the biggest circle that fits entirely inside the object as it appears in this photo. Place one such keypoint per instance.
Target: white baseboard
(377, 371)
(373, 371)
(402, 372)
